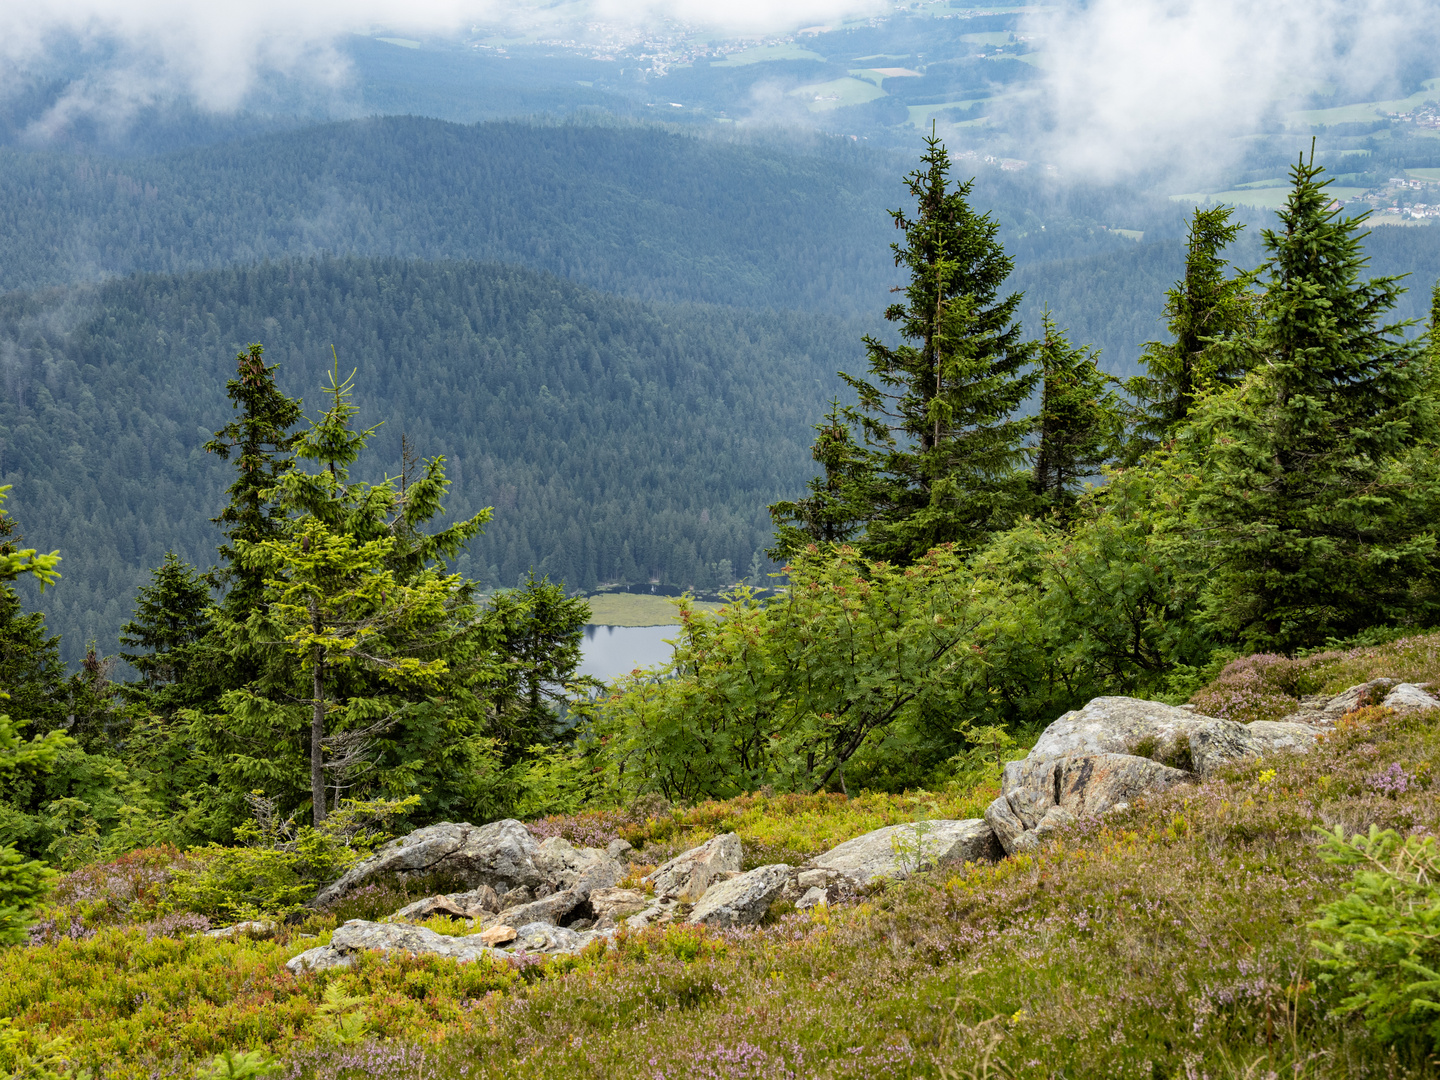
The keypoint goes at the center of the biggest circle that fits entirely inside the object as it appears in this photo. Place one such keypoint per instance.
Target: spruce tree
(172, 619)
(837, 505)
(262, 441)
(938, 412)
(1316, 481)
(1210, 314)
(1079, 422)
(369, 652)
(535, 633)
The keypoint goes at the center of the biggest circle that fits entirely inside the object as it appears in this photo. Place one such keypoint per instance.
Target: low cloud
(114, 57)
(1134, 84)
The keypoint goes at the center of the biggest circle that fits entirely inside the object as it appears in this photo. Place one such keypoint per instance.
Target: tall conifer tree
(1317, 493)
(262, 441)
(1078, 425)
(1210, 314)
(938, 412)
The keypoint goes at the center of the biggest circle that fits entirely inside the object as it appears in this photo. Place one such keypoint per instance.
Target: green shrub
(1384, 934)
(278, 868)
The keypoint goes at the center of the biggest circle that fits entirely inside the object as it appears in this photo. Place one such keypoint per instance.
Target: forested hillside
(616, 440)
(635, 210)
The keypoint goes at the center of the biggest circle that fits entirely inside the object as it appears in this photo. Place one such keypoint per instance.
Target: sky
(1126, 80)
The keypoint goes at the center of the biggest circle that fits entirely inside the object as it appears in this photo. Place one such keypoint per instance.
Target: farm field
(625, 609)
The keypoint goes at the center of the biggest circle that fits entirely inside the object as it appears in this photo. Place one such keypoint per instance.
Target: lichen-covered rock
(1367, 693)
(474, 904)
(1004, 823)
(1281, 736)
(358, 935)
(542, 937)
(687, 876)
(579, 869)
(253, 928)
(896, 851)
(320, 958)
(1409, 696)
(553, 909)
(1086, 785)
(741, 901)
(501, 855)
(1115, 725)
(611, 907)
(661, 911)
(1055, 818)
(1218, 742)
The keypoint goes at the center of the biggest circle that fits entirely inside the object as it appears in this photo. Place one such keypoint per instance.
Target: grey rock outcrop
(611, 907)
(1410, 696)
(1116, 725)
(501, 855)
(688, 875)
(1098, 758)
(742, 900)
(474, 904)
(358, 935)
(577, 869)
(1086, 785)
(896, 851)
(555, 909)
(1357, 697)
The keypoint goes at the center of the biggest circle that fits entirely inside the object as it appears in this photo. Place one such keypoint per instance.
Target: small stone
(811, 879)
(619, 849)
(812, 898)
(1409, 696)
(743, 900)
(497, 935)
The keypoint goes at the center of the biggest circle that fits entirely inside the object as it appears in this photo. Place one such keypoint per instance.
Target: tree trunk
(317, 726)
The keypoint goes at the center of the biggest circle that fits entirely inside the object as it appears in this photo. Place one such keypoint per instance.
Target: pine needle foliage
(836, 507)
(1079, 423)
(1209, 312)
(262, 441)
(938, 411)
(1318, 488)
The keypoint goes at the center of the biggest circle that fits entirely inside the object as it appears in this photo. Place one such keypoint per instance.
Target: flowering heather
(1392, 781)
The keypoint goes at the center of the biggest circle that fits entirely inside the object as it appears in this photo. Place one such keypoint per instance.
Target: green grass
(763, 53)
(836, 94)
(1423, 174)
(627, 609)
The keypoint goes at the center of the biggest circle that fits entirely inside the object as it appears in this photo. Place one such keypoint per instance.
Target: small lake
(608, 651)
